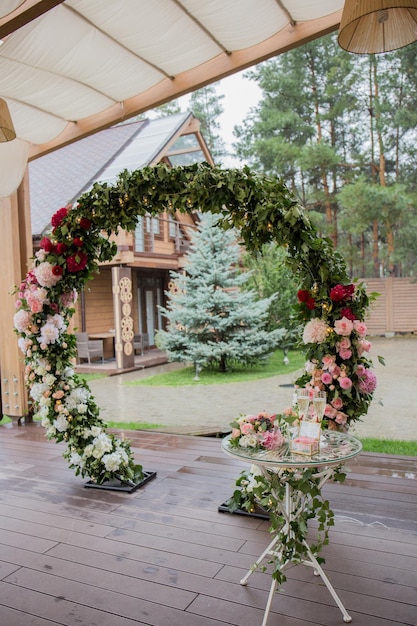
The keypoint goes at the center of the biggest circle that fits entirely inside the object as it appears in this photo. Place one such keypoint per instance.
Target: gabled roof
(62, 176)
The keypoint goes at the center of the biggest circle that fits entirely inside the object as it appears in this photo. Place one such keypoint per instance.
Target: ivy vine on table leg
(268, 489)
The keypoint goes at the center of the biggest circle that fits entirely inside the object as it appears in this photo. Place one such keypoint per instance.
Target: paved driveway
(210, 408)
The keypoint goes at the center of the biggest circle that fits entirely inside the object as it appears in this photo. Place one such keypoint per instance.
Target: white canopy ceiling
(82, 65)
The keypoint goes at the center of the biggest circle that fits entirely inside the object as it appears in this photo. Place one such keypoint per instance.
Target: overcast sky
(240, 95)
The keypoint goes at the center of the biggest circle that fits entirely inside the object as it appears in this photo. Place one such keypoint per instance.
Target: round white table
(335, 450)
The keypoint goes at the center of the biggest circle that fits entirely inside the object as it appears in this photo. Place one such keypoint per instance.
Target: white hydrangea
(37, 390)
(102, 444)
(44, 401)
(75, 459)
(61, 424)
(57, 320)
(111, 461)
(88, 451)
(79, 395)
(82, 408)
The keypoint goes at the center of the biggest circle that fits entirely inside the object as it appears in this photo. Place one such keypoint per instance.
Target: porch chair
(89, 348)
(141, 343)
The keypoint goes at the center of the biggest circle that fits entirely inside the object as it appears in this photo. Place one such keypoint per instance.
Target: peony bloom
(346, 312)
(360, 328)
(367, 382)
(315, 331)
(77, 262)
(343, 327)
(49, 334)
(61, 247)
(58, 217)
(345, 382)
(272, 439)
(22, 320)
(85, 223)
(47, 244)
(45, 275)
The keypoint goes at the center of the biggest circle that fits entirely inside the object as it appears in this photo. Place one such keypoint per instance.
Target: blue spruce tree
(211, 321)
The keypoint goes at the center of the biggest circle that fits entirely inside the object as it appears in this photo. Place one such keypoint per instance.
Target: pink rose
(246, 428)
(330, 411)
(363, 346)
(326, 378)
(341, 418)
(235, 433)
(345, 354)
(343, 326)
(344, 343)
(337, 403)
(328, 361)
(360, 328)
(360, 370)
(345, 382)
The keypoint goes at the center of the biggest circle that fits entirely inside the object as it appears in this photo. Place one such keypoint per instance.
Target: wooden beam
(166, 90)
(25, 13)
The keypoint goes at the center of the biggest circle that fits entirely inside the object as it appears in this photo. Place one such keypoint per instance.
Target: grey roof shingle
(62, 176)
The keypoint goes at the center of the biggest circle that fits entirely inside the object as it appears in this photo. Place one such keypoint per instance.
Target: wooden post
(122, 304)
(16, 248)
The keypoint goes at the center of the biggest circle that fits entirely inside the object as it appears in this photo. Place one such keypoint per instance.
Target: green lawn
(390, 446)
(185, 376)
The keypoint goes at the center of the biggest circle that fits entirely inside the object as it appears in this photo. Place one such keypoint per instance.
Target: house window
(172, 227)
(153, 225)
(139, 236)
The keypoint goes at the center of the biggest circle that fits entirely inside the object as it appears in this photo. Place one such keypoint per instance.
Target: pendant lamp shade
(375, 26)
(7, 131)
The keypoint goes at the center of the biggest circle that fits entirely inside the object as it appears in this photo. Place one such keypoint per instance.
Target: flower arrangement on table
(337, 350)
(45, 304)
(256, 431)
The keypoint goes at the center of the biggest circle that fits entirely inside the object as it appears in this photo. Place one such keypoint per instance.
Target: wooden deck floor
(165, 556)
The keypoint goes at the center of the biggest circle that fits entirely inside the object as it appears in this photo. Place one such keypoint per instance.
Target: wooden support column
(122, 304)
(16, 249)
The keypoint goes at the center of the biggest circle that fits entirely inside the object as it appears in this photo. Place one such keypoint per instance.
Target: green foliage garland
(260, 207)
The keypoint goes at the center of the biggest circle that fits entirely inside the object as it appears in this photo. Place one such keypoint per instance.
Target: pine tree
(211, 321)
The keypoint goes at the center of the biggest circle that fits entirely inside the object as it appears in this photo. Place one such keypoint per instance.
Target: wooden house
(145, 257)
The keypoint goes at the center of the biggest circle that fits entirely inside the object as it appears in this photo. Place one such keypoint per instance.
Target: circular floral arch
(263, 210)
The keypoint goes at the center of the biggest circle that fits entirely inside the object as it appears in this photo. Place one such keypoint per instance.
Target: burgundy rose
(349, 290)
(337, 293)
(78, 242)
(85, 223)
(57, 270)
(47, 244)
(58, 217)
(61, 248)
(303, 295)
(77, 262)
(346, 312)
(311, 303)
